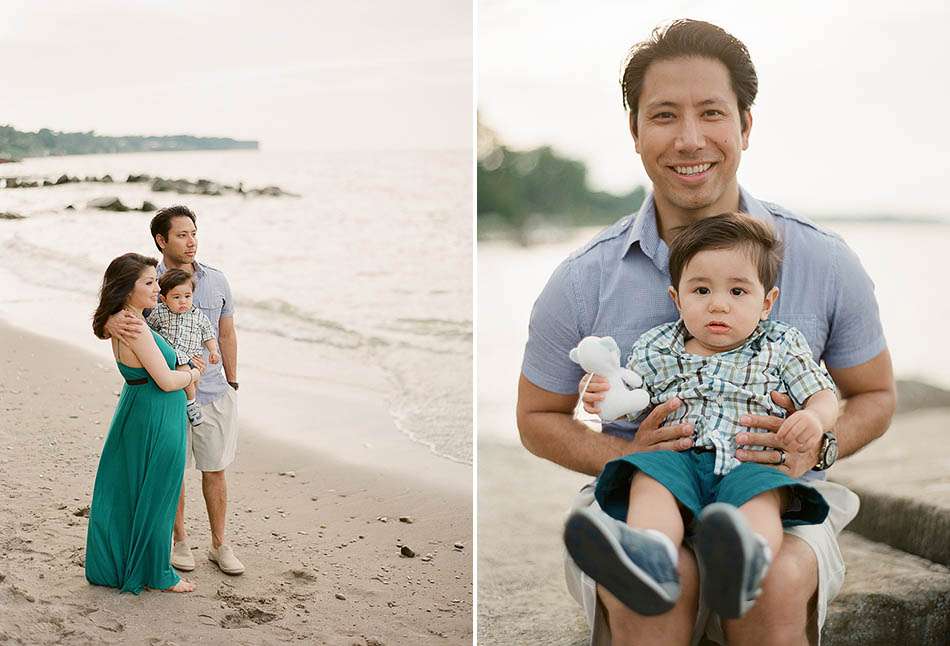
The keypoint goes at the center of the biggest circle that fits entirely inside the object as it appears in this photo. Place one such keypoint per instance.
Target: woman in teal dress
(128, 543)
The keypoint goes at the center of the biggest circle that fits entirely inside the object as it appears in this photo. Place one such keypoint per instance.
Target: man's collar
(643, 228)
(197, 269)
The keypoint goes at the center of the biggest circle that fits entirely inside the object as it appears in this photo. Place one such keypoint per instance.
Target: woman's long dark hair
(117, 284)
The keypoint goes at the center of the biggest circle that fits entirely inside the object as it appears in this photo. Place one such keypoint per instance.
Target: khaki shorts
(823, 539)
(212, 444)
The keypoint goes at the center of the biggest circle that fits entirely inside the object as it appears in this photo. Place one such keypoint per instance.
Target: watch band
(233, 384)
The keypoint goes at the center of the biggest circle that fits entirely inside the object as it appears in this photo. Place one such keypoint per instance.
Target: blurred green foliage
(17, 144)
(523, 189)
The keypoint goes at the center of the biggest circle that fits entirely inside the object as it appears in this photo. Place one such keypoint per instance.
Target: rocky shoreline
(158, 184)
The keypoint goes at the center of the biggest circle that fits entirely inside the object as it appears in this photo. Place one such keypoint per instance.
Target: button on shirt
(616, 285)
(717, 390)
(213, 297)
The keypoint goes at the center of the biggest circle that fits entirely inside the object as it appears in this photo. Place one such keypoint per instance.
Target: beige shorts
(212, 444)
(823, 539)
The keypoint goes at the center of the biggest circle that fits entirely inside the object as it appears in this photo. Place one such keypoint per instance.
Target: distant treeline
(15, 144)
(523, 189)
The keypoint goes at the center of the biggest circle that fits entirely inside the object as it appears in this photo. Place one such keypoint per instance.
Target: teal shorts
(688, 475)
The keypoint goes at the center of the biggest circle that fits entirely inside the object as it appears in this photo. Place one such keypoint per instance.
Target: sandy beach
(321, 546)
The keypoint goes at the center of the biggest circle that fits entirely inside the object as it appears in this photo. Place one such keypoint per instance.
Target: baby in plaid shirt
(722, 359)
(185, 327)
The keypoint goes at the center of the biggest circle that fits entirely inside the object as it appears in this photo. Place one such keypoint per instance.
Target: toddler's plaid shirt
(717, 390)
(185, 332)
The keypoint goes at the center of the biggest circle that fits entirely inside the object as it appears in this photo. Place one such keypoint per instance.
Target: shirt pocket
(626, 335)
(807, 324)
(214, 313)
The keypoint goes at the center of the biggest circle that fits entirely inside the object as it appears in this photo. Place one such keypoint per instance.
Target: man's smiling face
(689, 135)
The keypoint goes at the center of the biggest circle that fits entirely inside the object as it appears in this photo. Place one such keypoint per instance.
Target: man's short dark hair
(173, 278)
(685, 38)
(162, 222)
(728, 231)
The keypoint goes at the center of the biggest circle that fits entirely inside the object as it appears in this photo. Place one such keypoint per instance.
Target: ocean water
(907, 262)
(373, 260)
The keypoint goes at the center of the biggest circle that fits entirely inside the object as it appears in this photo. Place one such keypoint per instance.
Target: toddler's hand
(214, 357)
(594, 392)
(801, 431)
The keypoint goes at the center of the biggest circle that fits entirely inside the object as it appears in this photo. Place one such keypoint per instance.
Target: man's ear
(747, 130)
(632, 124)
(675, 297)
(160, 241)
(769, 302)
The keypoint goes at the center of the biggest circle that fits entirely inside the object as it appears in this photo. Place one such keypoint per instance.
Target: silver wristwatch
(828, 453)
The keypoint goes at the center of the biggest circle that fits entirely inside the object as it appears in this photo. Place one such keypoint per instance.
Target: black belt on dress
(137, 382)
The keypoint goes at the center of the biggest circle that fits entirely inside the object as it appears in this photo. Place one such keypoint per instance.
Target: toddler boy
(185, 327)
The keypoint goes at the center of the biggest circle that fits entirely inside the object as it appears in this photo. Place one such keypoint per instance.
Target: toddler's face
(178, 299)
(721, 298)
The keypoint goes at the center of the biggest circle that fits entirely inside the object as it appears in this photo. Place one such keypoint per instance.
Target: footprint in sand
(246, 610)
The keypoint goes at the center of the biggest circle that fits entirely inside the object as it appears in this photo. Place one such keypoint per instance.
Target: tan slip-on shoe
(182, 558)
(225, 559)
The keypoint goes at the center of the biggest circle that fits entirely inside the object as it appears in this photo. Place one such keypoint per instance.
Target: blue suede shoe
(631, 564)
(732, 559)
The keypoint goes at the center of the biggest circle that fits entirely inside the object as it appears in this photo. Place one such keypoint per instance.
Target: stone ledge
(913, 526)
(903, 480)
(888, 598)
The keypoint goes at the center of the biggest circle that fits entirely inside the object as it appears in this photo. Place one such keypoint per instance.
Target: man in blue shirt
(689, 90)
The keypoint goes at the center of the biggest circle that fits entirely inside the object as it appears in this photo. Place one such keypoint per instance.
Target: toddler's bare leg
(190, 388)
(652, 506)
(764, 514)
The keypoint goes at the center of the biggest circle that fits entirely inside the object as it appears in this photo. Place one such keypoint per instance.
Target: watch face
(831, 454)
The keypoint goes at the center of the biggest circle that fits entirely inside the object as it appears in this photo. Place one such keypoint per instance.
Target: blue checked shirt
(717, 390)
(616, 285)
(186, 332)
(213, 298)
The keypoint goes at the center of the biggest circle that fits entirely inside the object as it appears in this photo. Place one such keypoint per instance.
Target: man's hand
(650, 435)
(795, 463)
(214, 357)
(124, 326)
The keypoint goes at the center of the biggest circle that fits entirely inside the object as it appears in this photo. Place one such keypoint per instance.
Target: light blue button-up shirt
(616, 285)
(213, 297)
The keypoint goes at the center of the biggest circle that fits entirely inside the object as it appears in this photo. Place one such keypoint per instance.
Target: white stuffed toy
(601, 356)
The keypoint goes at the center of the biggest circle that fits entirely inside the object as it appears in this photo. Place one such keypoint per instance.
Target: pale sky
(851, 116)
(293, 74)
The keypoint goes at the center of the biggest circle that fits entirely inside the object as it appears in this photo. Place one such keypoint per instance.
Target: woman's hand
(199, 364)
(198, 367)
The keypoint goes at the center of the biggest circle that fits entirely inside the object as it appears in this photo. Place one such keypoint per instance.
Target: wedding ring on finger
(782, 456)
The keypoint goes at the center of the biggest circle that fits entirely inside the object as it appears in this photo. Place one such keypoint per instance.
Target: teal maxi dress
(128, 543)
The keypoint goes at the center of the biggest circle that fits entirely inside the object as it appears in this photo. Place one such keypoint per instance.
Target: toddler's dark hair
(173, 278)
(727, 231)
